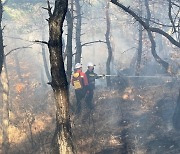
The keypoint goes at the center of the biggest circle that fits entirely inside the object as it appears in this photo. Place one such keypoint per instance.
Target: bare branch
(45, 8)
(17, 49)
(128, 50)
(175, 4)
(153, 43)
(88, 43)
(147, 27)
(44, 42)
(160, 24)
(74, 54)
(3, 28)
(170, 16)
(177, 15)
(49, 8)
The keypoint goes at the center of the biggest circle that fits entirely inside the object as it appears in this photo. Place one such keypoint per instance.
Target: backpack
(77, 81)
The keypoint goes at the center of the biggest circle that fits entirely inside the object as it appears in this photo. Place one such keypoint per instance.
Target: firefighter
(80, 83)
(91, 84)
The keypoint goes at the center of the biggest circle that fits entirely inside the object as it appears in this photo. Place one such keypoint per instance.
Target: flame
(19, 87)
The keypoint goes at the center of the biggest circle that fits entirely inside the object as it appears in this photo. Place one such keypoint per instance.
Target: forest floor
(133, 120)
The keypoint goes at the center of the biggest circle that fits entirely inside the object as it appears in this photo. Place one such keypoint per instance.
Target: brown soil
(137, 120)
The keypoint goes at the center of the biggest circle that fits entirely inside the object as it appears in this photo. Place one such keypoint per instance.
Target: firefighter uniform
(91, 76)
(80, 83)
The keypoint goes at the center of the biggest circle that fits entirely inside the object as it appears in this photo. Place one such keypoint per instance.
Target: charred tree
(5, 87)
(69, 18)
(108, 43)
(145, 25)
(5, 109)
(62, 143)
(1, 39)
(78, 32)
(153, 43)
(155, 55)
(139, 53)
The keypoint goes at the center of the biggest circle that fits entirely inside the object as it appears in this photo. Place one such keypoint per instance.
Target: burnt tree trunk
(63, 137)
(69, 18)
(139, 54)
(109, 48)
(1, 39)
(153, 43)
(78, 32)
(5, 94)
(155, 55)
(5, 110)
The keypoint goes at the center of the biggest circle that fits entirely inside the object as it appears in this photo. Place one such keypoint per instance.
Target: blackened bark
(5, 95)
(109, 48)
(139, 55)
(155, 55)
(63, 136)
(153, 43)
(78, 32)
(55, 45)
(69, 18)
(1, 39)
